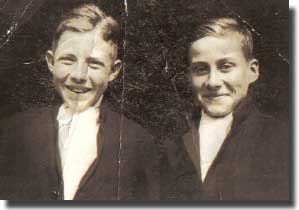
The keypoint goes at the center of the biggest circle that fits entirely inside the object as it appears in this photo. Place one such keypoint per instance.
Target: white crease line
(122, 111)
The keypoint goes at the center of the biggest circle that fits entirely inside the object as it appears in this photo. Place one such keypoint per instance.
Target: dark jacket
(30, 164)
(252, 164)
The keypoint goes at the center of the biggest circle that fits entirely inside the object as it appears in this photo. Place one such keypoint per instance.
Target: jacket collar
(191, 138)
(243, 111)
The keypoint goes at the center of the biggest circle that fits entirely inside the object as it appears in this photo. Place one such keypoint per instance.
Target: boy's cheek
(197, 81)
(60, 73)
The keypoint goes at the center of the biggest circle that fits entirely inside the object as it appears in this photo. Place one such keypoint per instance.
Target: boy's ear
(254, 70)
(50, 60)
(116, 67)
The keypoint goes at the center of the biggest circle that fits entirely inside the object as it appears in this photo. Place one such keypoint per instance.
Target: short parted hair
(86, 18)
(225, 26)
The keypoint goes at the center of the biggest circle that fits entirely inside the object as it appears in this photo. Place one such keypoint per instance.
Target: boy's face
(220, 74)
(82, 66)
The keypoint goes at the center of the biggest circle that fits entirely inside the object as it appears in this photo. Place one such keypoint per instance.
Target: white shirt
(212, 133)
(77, 145)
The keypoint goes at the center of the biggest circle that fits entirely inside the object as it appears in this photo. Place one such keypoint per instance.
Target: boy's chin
(78, 107)
(217, 112)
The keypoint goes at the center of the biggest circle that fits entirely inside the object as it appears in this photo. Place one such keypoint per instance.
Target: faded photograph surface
(145, 100)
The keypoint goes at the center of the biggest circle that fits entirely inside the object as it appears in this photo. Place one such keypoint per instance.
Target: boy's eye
(199, 69)
(67, 60)
(226, 67)
(95, 64)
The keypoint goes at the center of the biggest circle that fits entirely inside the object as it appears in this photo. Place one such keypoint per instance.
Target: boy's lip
(78, 89)
(214, 96)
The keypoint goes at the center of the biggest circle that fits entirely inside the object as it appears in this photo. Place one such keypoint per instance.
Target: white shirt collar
(77, 145)
(212, 133)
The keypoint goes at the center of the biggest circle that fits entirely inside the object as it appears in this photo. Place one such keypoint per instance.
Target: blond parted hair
(227, 26)
(86, 18)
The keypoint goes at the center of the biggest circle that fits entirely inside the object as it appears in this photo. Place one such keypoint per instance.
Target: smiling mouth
(78, 90)
(214, 96)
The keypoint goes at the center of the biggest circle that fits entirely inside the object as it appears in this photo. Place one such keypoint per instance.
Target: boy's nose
(214, 80)
(79, 74)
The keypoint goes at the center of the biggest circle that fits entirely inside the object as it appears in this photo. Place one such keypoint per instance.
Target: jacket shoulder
(270, 128)
(127, 126)
(26, 117)
(21, 127)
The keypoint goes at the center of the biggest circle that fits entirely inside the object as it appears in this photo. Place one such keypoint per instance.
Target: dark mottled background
(152, 89)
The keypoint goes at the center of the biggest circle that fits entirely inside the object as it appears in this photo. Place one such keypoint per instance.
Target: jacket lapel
(191, 143)
(101, 141)
(54, 153)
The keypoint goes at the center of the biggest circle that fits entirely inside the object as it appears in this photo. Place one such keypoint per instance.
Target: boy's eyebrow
(69, 56)
(225, 60)
(95, 61)
(198, 64)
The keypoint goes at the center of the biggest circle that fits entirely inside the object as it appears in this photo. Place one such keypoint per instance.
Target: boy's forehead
(227, 41)
(93, 39)
(217, 47)
(71, 35)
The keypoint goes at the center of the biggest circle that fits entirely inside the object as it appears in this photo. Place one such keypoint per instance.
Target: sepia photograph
(159, 101)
